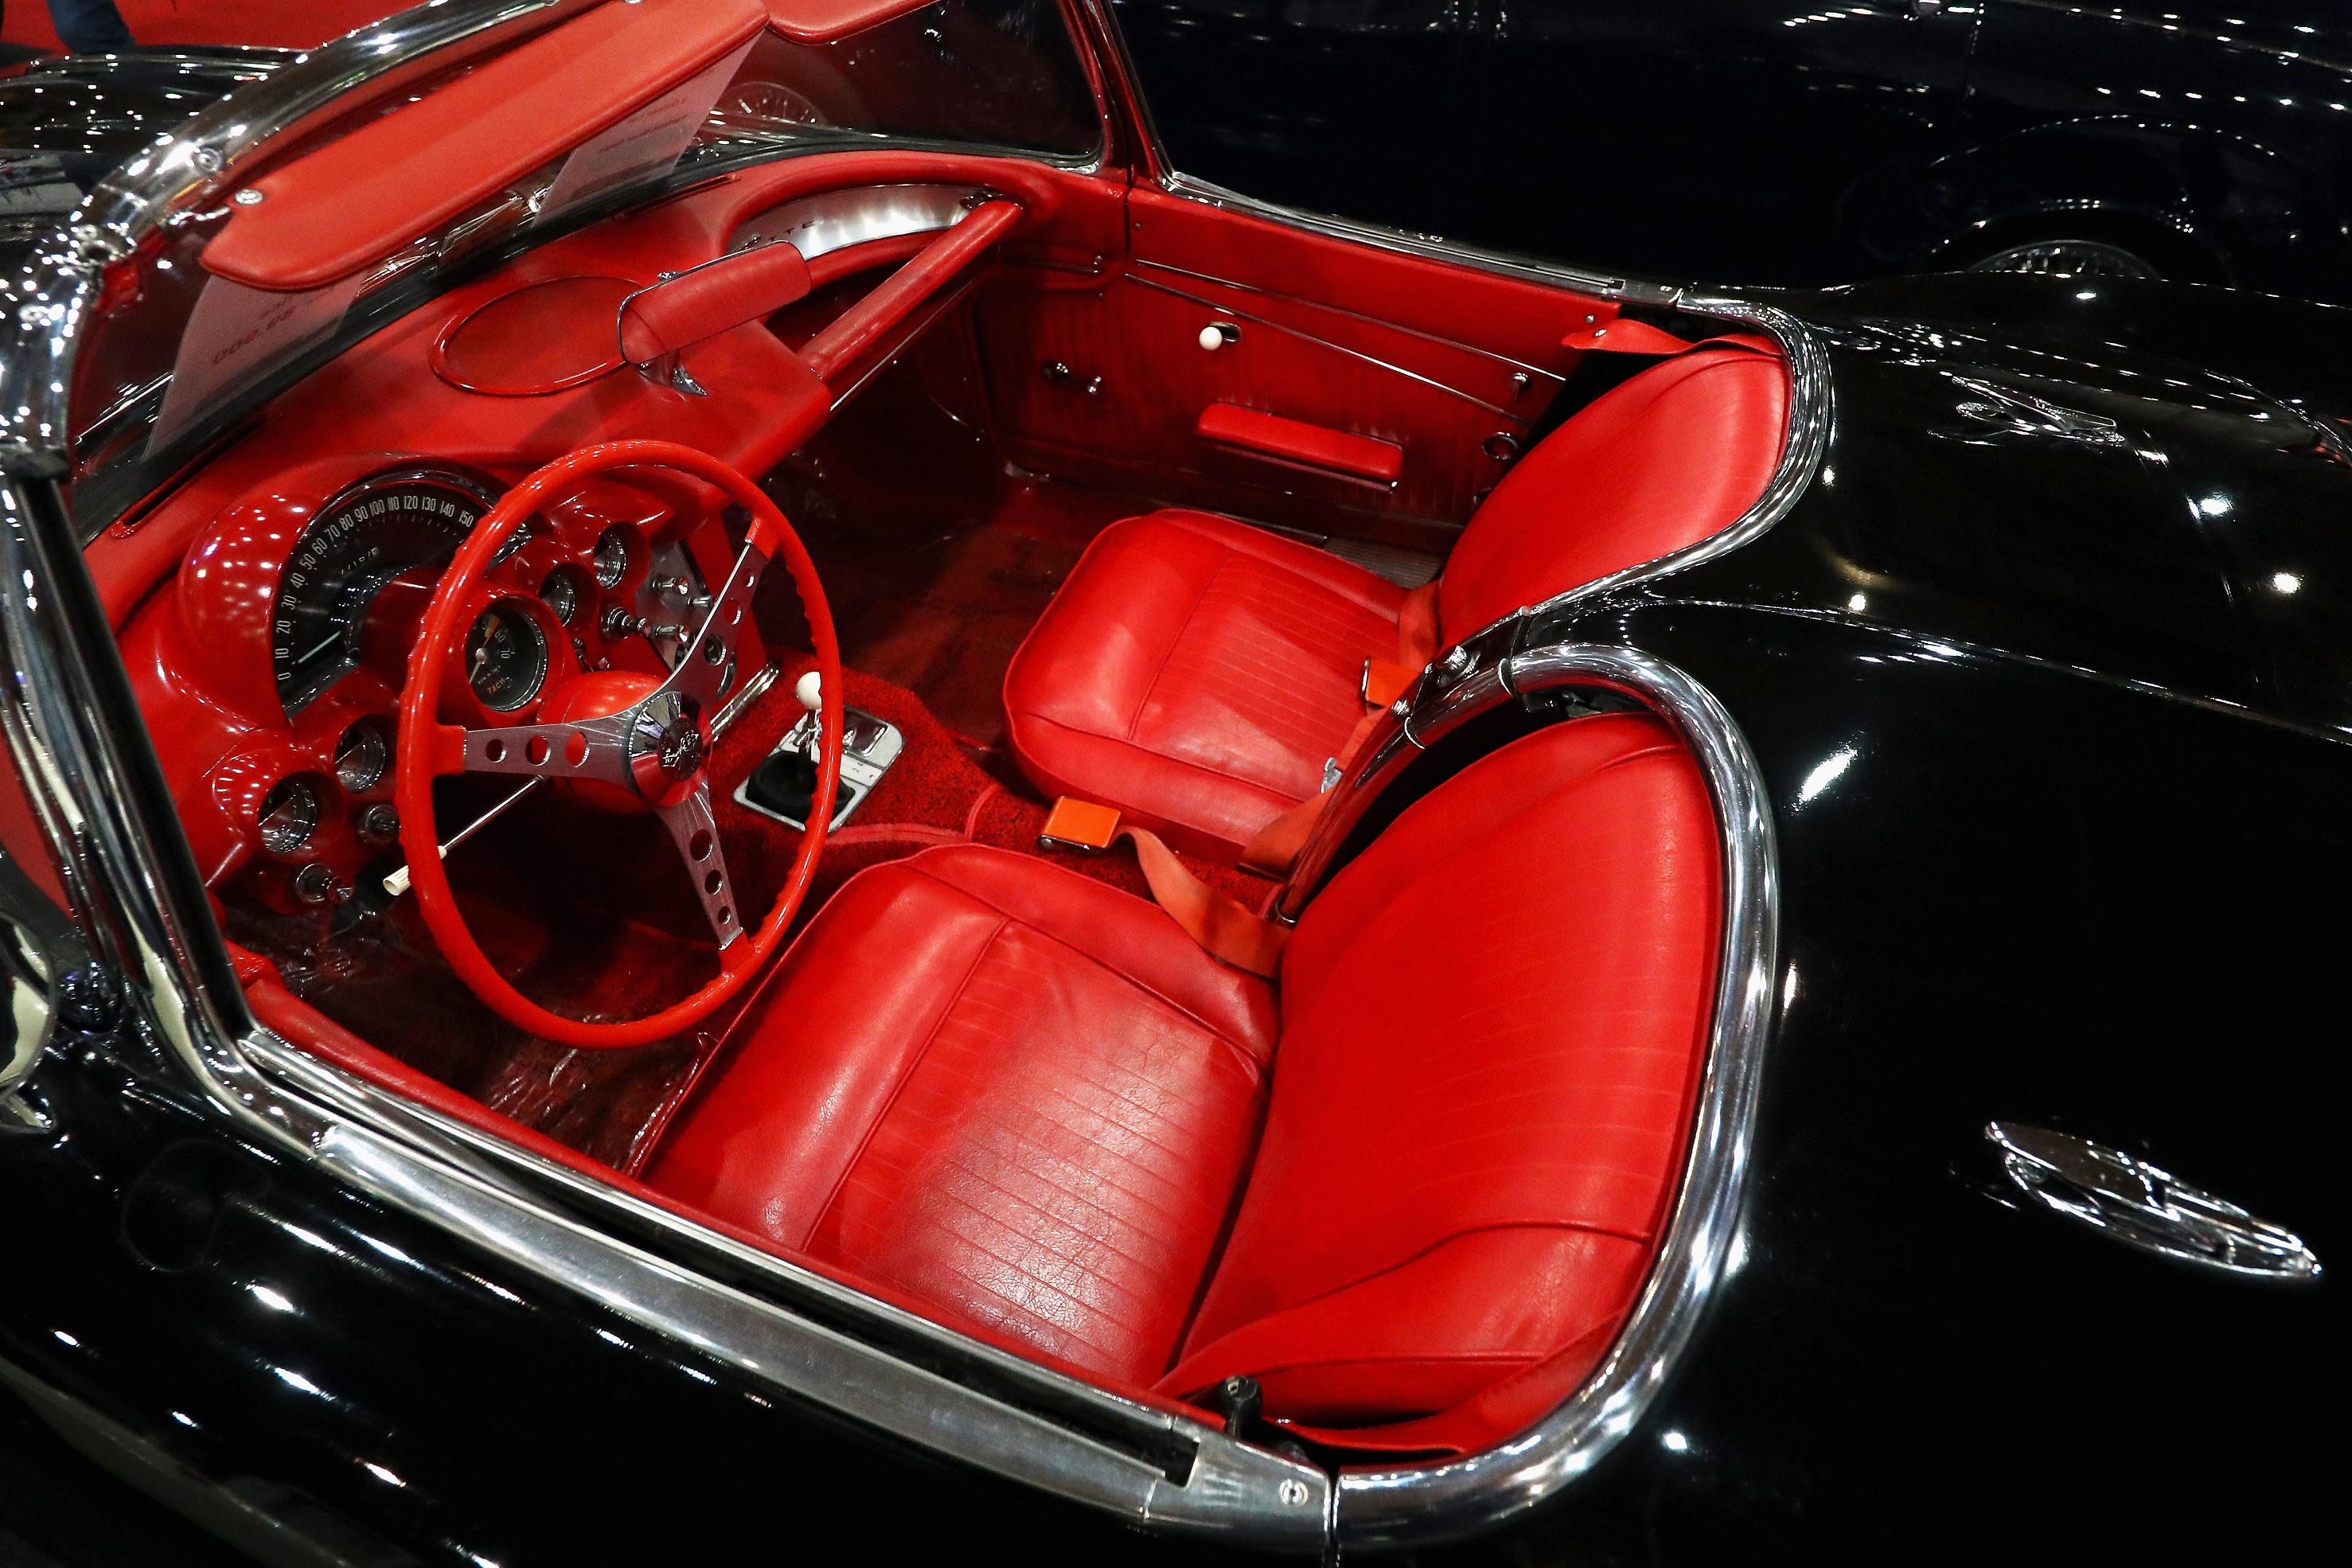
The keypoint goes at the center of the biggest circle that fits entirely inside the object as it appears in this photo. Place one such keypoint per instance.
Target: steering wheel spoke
(707, 671)
(585, 748)
(695, 828)
(629, 740)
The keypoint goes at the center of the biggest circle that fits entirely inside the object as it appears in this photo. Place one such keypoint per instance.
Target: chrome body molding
(2143, 1206)
(1413, 1505)
(1195, 1480)
(834, 220)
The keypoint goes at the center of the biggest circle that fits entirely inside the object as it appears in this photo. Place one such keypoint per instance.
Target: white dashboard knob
(810, 690)
(1211, 337)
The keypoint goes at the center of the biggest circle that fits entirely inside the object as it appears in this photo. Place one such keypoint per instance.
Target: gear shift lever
(810, 690)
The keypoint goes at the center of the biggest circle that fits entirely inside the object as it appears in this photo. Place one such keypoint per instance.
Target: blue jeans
(89, 26)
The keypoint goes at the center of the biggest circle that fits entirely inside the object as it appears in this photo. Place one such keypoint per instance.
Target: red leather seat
(1196, 673)
(1030, 1103)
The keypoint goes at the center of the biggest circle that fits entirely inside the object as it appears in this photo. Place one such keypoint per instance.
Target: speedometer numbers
(376, 532)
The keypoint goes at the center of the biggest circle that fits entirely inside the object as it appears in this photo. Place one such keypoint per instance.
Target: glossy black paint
(65, 121)
(1774, 143)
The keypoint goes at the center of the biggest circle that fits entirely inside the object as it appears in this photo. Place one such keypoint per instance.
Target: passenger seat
(1196, 673)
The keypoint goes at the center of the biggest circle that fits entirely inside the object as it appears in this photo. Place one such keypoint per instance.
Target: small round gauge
(289, 815)
(611, 558)
(361, 755)
(563, 595)
(506, 659)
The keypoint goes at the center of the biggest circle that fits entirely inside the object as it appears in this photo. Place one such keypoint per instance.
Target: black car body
(1747, 143)
(2034, 654)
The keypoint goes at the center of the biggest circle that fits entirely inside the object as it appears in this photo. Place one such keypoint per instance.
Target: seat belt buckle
(1384, 682)
(1079, 825)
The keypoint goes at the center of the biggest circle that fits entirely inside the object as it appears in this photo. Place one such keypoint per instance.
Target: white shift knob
(810, 690)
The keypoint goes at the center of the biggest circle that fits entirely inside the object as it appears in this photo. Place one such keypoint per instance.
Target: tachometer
(506, 657)
(364, 538)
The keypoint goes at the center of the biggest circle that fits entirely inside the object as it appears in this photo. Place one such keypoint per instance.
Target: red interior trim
(858, 328)
(823, 21)
(709, 300)
(356, 200)
(1295, 441)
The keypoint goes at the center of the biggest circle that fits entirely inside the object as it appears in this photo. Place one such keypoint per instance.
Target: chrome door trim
(1417, 1504)
(1222, 309)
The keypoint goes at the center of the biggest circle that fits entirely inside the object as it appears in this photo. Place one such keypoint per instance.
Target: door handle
(2143, 1206)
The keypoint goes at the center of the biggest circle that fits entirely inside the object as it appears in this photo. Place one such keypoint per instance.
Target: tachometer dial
(506, 657)
(371, 534)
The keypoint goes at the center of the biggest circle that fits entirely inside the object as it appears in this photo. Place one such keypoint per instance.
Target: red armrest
(1307, 446)
(709, 300)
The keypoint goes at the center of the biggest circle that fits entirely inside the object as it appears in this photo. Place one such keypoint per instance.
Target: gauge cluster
(271, 674)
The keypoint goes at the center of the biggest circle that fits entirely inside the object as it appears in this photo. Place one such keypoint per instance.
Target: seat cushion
(1674, 455)
(1006, 1090)
(1492, 1028)
(1197, 673)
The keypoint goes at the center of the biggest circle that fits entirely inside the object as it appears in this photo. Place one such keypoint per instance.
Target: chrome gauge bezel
(350, 614)
(362, 756)
(517, 612)
(288, 816)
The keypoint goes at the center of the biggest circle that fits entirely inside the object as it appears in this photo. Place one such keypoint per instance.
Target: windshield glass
(174, 355)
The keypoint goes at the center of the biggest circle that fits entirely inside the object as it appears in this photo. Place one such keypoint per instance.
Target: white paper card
(647, 142)
(237, 335)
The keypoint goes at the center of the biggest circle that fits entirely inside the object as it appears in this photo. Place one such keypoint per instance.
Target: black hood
(65, 123)
(2144, 483)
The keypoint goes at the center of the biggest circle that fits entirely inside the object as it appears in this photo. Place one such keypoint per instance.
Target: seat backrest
(1677, 453)
(1493, 1027)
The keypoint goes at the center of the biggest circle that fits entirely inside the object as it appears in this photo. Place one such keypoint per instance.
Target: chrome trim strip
(857, 214)
(793, 1353)
(1414, 1505)
(1437, 338)
(1273, 326)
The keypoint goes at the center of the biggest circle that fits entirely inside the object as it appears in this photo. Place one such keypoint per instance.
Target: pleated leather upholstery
(1030, 1103)
(1001, 1088)
(1195, 673)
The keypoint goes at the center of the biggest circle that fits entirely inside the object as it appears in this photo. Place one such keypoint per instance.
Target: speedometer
(411, 520)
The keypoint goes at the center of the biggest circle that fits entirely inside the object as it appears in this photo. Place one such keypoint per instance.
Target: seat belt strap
(1273, 848)
(1225, 929)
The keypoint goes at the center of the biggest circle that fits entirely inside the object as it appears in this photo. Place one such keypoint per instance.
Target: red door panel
(1110, 383)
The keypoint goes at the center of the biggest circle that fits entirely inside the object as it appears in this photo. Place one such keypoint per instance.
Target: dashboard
(267, 602)
(271, 673)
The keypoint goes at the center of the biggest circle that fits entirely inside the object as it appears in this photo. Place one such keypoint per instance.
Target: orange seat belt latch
(1385, 682)
(1075, 824)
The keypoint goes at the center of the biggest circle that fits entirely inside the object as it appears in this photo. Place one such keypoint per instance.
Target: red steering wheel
(635, 743)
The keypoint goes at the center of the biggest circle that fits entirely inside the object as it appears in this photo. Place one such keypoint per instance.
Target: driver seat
(1411, 1186)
